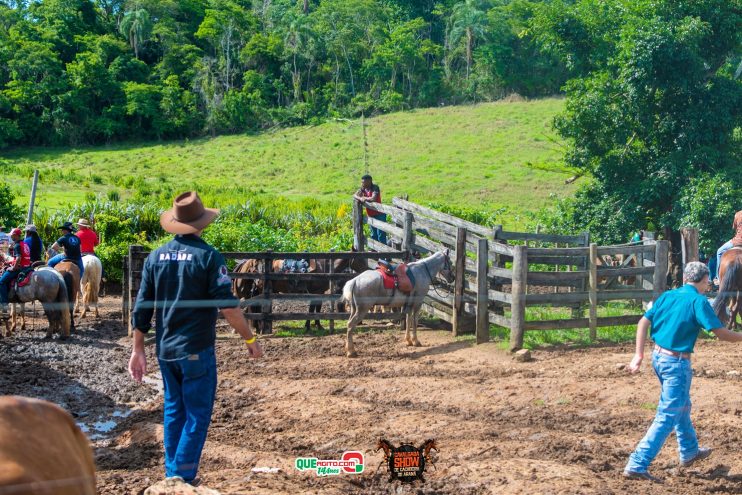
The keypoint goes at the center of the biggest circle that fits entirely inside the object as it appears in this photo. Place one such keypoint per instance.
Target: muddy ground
(561, 424)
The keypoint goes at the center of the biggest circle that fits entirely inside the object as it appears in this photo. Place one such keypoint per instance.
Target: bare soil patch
(563, 423)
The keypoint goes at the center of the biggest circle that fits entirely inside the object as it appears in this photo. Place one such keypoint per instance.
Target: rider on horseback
(71, 245)
(736, 241)
(88, 237)
(22, 255)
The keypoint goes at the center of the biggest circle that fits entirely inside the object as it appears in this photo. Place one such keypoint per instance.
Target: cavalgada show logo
(350, 462)
(406, 463)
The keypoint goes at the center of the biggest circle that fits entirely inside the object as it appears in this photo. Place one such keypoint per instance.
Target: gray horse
(367, 290)
(48, 286)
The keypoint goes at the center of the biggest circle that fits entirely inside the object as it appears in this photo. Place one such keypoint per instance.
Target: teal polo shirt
(678, 315)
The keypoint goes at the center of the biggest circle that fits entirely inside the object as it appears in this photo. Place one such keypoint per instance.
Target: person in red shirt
(88, 237)
(371, 192)
(22, 259)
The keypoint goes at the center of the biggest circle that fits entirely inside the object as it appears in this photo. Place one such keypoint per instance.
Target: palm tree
(136, 26)
(469, 20)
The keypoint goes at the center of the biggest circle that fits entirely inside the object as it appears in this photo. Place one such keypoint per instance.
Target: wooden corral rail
(497, 270)
(134, 263)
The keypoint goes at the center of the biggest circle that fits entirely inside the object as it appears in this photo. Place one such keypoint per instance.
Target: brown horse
(71, 274)
(727, 302)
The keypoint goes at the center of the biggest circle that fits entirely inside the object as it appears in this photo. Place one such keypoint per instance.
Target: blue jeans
(5, 282)
(378, 234)
(54, 261)
(190, 389)
(723, 249)
(673, 413)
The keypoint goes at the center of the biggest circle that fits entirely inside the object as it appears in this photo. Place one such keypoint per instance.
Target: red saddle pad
(388, 279)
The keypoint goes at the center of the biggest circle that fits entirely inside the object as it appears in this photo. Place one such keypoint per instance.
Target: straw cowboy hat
(83, 222)
(188, 215)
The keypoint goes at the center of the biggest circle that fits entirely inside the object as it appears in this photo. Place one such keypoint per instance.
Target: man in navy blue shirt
(71, 245)
(676, 319)
(184, 284)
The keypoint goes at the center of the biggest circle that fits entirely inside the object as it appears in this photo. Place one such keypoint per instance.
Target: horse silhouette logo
(406, 463)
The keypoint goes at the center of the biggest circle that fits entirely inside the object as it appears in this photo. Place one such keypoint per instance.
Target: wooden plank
(497, 248)
(625, 272)
(500, 272)
(501, 297)
(527, 236)
(625, 250)
(483, 334)
(291, 297)
(319, 316)
(460, 275)
(593, 291)
(566, 298)
(267, 306)
(442, 217)
(689, 238)
(575, 251)
(389, 228)
(408, 233)
(389, 210)
(304, 277)
(331, 269)
(519, 301)
(379, 247)
(436, 312)
(547, 278)
(557, 260)
(606, 321)
(499, 320)
(423, 244)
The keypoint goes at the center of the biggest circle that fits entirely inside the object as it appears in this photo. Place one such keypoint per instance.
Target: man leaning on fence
(676, 319)
(371, 192)
(184, 283)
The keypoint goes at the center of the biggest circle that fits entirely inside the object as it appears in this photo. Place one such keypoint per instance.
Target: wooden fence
(134, 262)
(499, 273)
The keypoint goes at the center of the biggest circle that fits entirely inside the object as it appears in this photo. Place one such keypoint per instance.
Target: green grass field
(500, 155)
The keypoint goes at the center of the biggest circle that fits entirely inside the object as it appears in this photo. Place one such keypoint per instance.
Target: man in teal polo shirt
(676, 319)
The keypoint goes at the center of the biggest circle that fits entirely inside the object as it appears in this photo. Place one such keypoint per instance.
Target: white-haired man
(676, 319)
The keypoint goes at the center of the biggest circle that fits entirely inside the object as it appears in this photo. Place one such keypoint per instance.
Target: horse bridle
(446, 262)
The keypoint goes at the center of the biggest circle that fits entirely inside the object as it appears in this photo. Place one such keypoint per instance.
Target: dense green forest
(78, 72)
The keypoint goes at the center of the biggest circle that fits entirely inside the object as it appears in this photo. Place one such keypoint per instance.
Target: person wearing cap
(184, 284)
(88, 237)
(371, 192)
(34, 243)
(71, 245)
(22, 259)
(676, 319)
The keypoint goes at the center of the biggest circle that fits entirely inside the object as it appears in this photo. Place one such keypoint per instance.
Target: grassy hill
(490, 156)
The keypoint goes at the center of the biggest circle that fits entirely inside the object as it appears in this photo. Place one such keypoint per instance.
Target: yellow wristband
(250, 341)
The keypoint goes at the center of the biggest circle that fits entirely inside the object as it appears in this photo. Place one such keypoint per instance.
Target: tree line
(86, 72)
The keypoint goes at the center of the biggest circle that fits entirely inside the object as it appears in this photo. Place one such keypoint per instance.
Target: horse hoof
(418, 344)
(63, 337)
(353, 354)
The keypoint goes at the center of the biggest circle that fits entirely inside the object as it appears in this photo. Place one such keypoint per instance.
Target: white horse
(90, 284)
(367, 290)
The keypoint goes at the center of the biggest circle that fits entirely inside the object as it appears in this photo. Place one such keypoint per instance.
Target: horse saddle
(396, 276)
(24, 277)
(295, 266)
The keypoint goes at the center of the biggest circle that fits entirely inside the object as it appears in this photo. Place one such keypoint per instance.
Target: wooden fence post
(125, 292)
(518, 294)
(593, 294)
(136, 263)
(331, 271)
(358, 241)
(660, 268)
(267, 308)
(499, 308)
(689, 241)
(408, 231)
(458, 284)
(483, 326)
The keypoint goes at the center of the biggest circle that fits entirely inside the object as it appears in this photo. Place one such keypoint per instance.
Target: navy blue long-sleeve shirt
(184, 283)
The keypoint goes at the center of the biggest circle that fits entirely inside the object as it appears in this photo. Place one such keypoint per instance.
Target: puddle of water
(122, 414)
(104, 426)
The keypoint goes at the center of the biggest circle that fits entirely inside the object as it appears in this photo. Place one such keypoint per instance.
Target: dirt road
(561, 424)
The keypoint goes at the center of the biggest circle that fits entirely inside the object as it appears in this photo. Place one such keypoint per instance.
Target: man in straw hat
(183, 284)
(71, 245)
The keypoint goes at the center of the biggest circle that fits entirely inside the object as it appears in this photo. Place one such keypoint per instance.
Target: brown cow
(42, 450)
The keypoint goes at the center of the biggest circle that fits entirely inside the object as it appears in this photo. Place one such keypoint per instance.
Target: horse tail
(349, 295)
(727, 290)
(62, 306)
(91, 280)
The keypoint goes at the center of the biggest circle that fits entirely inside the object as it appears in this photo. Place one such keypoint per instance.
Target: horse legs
(411, 330)
(52, 318)
(353, 321)
(23, 317)
(316, 307)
